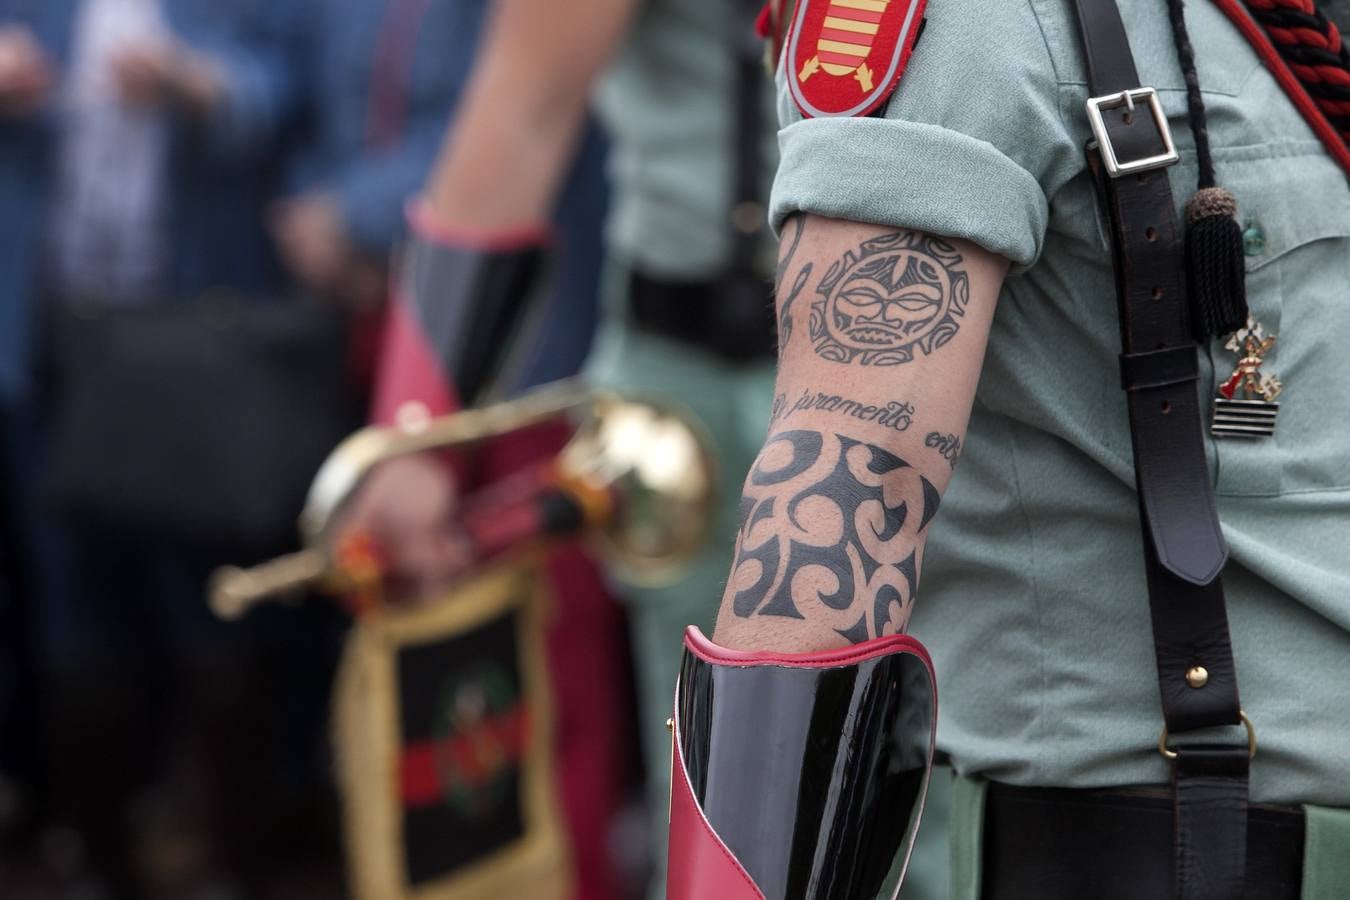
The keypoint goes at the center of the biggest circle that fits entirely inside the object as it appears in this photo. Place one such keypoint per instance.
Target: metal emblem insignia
(845, 57)
(1246, 404)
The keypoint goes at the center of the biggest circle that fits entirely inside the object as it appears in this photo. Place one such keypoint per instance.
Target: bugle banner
(442, 726)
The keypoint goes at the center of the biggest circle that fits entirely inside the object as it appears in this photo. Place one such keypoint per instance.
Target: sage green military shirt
(669, 103)
(1033, 598)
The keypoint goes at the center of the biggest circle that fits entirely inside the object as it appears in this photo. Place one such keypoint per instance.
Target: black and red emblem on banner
(464, 737)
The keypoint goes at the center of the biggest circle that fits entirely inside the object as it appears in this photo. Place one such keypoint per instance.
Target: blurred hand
(407, 506)
(312, 238)
(26, 75)
(157, 74)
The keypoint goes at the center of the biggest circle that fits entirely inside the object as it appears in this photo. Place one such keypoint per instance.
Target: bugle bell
(637, 474)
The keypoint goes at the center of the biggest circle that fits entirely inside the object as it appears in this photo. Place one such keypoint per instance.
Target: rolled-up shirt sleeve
(971, 145)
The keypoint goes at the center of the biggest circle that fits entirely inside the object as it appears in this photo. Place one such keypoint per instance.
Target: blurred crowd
(218, 159)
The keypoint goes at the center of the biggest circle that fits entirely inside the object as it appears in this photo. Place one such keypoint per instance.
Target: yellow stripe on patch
(869, 5)
(840, 47)
(850, 25)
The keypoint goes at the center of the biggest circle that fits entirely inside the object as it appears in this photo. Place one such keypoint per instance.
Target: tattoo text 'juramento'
(948, 445)
(893, 414)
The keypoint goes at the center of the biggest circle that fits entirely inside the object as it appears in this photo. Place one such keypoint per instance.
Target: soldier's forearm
(882, 336)
(523, 111)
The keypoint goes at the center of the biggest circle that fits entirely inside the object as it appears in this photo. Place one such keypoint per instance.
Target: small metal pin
(670, 725)
(1197, 676)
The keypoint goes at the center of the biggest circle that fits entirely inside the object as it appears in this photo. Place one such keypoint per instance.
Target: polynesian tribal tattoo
(948, 445)
(894, 415)
(830, 528)
(797, 224)
(894, 297)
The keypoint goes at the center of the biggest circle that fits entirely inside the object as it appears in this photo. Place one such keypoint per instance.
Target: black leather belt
(1116, 845)
(729, 317)
(1184, 549)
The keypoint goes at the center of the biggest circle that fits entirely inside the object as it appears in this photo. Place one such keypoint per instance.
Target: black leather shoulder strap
(1183, 545)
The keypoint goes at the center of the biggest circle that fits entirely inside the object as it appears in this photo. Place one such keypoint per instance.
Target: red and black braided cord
(1315, 51)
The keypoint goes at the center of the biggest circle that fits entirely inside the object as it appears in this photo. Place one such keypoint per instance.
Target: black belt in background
(731, 317)
(1116, 844)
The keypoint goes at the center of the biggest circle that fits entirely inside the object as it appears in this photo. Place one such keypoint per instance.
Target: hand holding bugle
(636, 476)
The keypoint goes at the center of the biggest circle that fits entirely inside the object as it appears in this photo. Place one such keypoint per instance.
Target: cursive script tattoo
(894, 415)
(949, 445)
(892, 298)
(778, 410)
(830, 530)
(797, 224)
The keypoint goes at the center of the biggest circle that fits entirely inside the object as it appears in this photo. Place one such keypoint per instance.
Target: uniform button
(1253, 241)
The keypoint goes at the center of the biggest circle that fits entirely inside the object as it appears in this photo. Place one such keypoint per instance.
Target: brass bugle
(654, 460)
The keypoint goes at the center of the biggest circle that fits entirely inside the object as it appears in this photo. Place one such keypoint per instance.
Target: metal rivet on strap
(1197, 676)
(670, 725)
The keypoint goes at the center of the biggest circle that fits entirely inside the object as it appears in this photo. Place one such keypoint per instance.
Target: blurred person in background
(688, 313)
(375, 83)
(378, 80)
(384, 77)
(135, 137)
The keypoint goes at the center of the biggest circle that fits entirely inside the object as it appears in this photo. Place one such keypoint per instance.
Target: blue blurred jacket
(219, 181)
(380, 80)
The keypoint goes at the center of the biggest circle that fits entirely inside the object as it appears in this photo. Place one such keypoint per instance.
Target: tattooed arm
(881, 337)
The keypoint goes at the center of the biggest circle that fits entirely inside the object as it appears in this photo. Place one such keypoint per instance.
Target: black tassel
(1216, 276)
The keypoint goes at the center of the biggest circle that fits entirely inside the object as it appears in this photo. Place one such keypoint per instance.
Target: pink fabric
(586, 644)
(706, 650)
(700, 865)
(425, 225)
(408, 369)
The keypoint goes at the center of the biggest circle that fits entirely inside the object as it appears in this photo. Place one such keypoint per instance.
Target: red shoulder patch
(846, 57)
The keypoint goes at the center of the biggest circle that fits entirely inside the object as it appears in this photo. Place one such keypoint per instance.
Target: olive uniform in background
(669, 102)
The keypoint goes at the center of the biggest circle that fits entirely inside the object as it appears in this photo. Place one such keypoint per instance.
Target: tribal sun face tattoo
(893, 298)
(830, 528)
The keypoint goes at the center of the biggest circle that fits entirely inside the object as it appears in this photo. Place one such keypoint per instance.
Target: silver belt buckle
(1114, 166)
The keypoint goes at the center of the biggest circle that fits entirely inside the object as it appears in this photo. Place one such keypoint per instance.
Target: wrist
(775, 635)
(436, 223)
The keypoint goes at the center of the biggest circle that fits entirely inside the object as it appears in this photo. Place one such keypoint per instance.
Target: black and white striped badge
(1244, 418)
